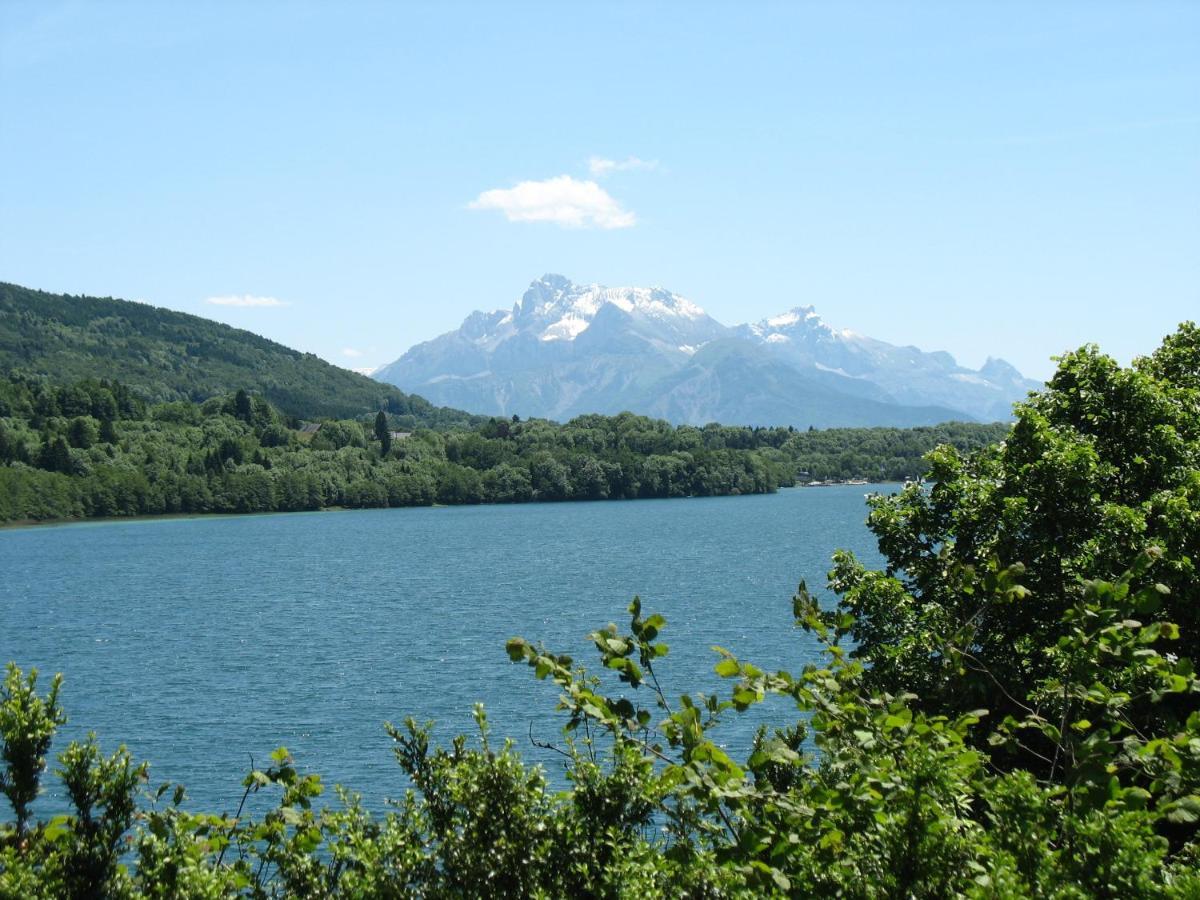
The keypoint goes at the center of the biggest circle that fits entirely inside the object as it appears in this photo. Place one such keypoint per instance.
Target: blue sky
(986, 178)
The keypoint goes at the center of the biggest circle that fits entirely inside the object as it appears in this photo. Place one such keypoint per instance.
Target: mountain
(565, 349)
(562, 350)
(730, 380)
(801, 339)
(168, 355)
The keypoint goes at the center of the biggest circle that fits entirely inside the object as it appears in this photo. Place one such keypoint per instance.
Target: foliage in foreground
(1076, 775)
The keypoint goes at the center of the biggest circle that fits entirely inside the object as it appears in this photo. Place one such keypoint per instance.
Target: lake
(200, 642)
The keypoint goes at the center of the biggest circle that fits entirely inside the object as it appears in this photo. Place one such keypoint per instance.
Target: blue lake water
(200, 642)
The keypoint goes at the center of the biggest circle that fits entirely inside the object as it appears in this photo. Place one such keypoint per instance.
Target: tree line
(93, 448)
(98, 448)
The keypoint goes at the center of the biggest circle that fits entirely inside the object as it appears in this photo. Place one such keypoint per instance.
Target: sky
(991, 179)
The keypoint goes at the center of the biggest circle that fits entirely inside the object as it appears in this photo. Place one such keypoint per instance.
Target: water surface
(200, 642)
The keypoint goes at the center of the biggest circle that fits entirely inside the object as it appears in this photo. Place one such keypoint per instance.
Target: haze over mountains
(566, 349)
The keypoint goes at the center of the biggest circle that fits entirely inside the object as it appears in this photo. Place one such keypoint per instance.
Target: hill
(167, 356)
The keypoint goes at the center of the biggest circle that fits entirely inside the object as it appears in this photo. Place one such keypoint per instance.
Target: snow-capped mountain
(565, 349)
(555, 309)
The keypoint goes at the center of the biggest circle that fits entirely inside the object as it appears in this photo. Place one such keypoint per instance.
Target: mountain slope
(561, 351)
(168, 355)
(566, 349)
(802, 340)
(730, 380)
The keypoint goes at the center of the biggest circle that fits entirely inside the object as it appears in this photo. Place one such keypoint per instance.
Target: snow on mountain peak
(558, 309)
(529, 357)
(781, 328)
(793, 316)
(655, 302)
(567, 328)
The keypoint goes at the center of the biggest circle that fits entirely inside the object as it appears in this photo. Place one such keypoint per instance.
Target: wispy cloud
(245, 300)
(563, 200)
(599, 166)
(364, 370)
(351, 352)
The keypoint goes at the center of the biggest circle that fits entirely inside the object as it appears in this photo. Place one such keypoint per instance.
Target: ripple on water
(199, 642)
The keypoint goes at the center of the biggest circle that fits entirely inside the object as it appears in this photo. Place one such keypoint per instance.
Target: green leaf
(1185, 810)
(57, 828)
(726, 668)
(516, 648)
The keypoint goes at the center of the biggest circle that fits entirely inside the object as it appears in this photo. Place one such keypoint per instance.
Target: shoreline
(154, 517)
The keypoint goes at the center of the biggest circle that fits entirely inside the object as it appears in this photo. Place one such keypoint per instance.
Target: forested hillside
(95, 448)
(879, 454)
(165, 355)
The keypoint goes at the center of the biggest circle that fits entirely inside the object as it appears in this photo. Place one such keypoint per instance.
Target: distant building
(310, 427)
(400, 435)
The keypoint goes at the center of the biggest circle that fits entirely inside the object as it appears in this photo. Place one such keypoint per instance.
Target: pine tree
(241, 405)
(55, 456)
(81, 432)
(383, 433)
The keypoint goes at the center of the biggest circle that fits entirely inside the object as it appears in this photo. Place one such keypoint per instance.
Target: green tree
(82, 432)
(383, 433)
(28, 722)
(241, 406)
(103, 791)
(55, 456)
(1101, 466)
(108, 431)
(592, 457)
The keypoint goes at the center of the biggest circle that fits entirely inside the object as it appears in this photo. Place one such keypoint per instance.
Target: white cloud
(351, 352)
(363, 370)
(563, 200)
(245, 300)
(599, 167)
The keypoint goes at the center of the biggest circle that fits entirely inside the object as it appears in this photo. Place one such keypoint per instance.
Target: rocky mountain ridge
(565, 349)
